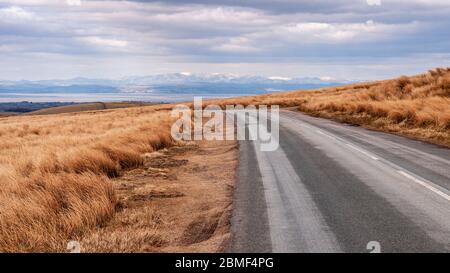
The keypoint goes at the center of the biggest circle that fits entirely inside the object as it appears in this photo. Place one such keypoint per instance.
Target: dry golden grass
(55, 172)
(418, 106)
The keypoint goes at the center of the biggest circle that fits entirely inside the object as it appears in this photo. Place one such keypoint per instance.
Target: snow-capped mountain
(174, 78)
(186, 77)
(163, 86)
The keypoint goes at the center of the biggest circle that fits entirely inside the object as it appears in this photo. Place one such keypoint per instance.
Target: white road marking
(387, 162)
(425, 184)
(362, 151)
(322, 133)
(348, 144)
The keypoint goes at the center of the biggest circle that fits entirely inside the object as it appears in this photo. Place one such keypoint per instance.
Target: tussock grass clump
(55, 172)
(41, 212)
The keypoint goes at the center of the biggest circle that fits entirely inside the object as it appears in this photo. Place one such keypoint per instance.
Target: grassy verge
(162, 207)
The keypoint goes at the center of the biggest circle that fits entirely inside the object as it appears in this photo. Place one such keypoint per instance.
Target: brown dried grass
(55, 172)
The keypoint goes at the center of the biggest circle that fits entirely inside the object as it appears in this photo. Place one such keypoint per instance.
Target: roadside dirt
(180, 201)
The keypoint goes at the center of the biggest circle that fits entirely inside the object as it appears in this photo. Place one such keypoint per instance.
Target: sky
(340, 39)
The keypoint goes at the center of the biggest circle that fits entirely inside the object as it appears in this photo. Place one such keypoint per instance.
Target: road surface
(332, 187)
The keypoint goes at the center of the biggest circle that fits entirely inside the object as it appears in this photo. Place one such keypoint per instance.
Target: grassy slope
(55, 171)
(7, 114)
(84, 107)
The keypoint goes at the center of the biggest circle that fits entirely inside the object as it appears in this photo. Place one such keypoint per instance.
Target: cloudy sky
(343, 39)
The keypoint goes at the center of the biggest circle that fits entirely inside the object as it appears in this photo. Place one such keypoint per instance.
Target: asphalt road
(332, 187)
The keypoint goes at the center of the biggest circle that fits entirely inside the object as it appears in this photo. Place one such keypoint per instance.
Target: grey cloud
(316, 6)
(280, 6)
(224, 32)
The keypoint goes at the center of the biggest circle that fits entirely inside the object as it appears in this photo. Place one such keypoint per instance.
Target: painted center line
(426, 185)
(349, 145)
(361, 151)
(322, 133)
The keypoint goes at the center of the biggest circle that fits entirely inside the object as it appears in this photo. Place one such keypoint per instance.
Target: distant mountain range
(222, 78)
(163, 87)
(175, 78)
